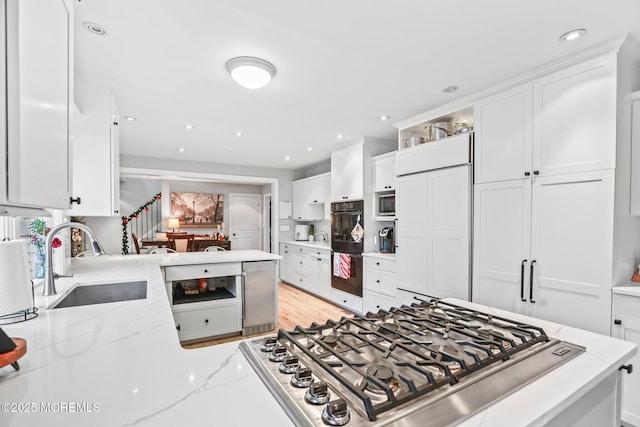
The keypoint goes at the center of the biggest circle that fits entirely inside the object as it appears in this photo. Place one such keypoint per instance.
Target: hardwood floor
(295, 307)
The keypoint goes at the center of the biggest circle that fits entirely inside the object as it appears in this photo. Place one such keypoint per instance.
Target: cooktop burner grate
(391, 357)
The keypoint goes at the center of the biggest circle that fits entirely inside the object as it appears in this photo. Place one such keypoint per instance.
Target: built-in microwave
(387, 205)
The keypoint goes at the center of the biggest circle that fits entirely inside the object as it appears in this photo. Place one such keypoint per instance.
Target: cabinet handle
(77, 200)
(318, 259)
(628, 368)
(377, 281)
(536, 172)
(527, 173)
(617, 322)
(524, 261)
(345, 301)
(377, 263)
(206, 321)
(377, 306)
(178, 327)
(206, 271)
(315, 201)
(531, 300)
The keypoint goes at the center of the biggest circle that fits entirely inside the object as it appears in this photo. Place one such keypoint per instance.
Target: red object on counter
(203, 285)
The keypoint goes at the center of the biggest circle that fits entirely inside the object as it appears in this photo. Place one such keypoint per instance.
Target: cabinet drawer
(379, 263)
(626, 305)
(196, 271)
(374, 301)
(349, 301)
(208, 322)
(380, 281)
(318, 253)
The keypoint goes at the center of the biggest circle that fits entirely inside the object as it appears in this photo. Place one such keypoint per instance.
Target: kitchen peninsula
(124, 363)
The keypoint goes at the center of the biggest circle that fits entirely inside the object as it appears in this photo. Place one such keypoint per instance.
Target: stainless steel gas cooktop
(431, 364)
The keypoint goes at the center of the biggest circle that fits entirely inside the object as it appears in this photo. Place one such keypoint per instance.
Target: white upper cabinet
(635, 155)
(36, 46)
(384, 172)
(561, 123)
(96, 176)
(347, 173)
(503, 135)
(574, 126)
(311, 197)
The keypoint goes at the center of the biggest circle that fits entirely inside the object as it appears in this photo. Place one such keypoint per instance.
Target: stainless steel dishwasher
(259, 297)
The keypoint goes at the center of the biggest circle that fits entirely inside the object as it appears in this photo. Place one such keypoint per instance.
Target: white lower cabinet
(375, 301)
(626, 326)
(208, 322)
(347, 300)
(379, 283)
(544, 247)
(306, 267)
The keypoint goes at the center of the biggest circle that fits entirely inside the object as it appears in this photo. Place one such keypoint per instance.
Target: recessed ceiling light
(309, 148)
(94, 28)
(250, 72)
(238, 134)
(383, 118)
(181, 149)
(339, 135)
(188, 127)
(450, 89)
(287, 158)
(130, 118)
(573, 35)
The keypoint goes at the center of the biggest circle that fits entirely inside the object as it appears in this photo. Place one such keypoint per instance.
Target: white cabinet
(379, 283)
(206, 299)
(311, 197)
(635, 155)
(307, 268)
(561, 123)
(36, 45)
(319, 277)
(347, 300)
(96, 165)
(287, 263)
(503, 135)
(433, 229)
(543, 246)
(347, 173)
(384, 172)
(626, 326)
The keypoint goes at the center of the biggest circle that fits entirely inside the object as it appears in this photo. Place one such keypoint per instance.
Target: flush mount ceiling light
(238, 134)
(181, 149)
(250, 72)
(287, 158)
(130, 118)
(339, 136)
(450, 89)
(573, 35)
(309, 148)
(383, 118)
(94, 28)
(188, 127)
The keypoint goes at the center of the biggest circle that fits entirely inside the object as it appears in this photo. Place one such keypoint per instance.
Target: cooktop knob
(278, 354)
(289, 365)
(302, 378)
(268, 344)
(317, 394)
(336, 413)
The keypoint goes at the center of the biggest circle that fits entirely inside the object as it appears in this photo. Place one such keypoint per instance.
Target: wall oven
(346, 265)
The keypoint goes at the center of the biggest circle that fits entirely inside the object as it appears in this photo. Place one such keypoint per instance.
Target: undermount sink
(104, 293)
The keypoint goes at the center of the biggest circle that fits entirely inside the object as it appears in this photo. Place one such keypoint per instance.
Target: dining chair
(214, 248)
(157, 250)
(182, 242)
(134, 237)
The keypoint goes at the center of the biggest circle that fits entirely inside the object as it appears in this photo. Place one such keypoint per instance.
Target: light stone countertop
(314, 245)
(125, 358)
(631, 289)
(380, 255)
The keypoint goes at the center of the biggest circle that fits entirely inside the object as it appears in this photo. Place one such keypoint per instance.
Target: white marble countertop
(631, 288)
(123, 360)
(380, 255)
(314, 245)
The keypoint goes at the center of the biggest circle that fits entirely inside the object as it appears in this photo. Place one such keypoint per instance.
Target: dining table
(200, 243)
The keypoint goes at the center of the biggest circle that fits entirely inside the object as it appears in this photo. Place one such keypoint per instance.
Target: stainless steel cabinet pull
(531, 300)
(522, 298)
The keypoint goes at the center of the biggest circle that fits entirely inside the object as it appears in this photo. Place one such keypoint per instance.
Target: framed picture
(197, 210)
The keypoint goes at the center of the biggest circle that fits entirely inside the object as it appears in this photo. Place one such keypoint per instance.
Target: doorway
(245, 221)
(266, 223)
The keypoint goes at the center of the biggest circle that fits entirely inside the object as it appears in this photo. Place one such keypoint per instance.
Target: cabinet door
(347, 173)
(284, 262)
(503, 135)
(299, 199)
(412, 245)
(374, 301)
(626, 326)
(501, 241)
(114, 145)
(37, 101)
(575, 118)
(635, 157)
(324, 281)
(95, 152)
(448, 240)
(571, 249)
(384, 173)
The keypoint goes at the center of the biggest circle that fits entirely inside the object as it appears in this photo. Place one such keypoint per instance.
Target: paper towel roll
(15, 285)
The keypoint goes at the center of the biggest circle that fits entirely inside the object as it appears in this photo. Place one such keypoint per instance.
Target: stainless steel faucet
(323, 234)
(49, 285)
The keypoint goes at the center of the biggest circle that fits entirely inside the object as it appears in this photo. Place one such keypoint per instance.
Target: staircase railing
(145, 222)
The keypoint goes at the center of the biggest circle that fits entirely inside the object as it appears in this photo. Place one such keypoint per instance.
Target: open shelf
(216, 294)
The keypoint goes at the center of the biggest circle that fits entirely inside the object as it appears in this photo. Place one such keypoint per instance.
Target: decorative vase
(38, 271)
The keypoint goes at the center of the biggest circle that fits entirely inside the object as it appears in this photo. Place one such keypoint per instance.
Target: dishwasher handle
(244, 311)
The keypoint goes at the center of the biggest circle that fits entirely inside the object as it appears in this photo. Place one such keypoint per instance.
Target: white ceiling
(341, 64)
